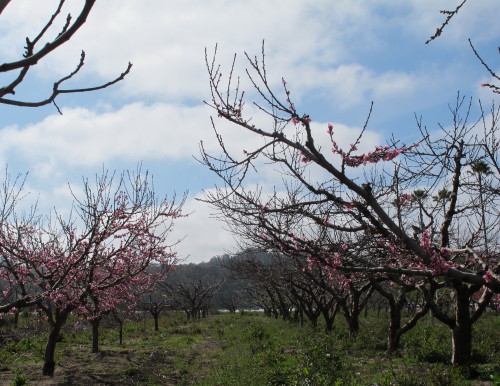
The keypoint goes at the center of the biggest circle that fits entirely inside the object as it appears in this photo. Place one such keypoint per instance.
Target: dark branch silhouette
(439, 31)
(33, 54)
(449, 16)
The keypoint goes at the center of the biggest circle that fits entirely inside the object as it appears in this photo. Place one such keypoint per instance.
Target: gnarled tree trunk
(95, 334)
(50, 349)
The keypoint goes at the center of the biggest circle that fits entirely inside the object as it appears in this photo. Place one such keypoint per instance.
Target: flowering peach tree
(413, 215)
(98, 258)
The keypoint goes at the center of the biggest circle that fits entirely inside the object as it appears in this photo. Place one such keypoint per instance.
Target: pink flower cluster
(104, 264)
(304, 158)
(488, 276)
(381, 153)
(350, 206)
(439, 265)
(425, 240)
(405, 199)
(295, 119)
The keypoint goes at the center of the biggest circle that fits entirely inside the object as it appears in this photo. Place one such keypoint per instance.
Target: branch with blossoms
(97, 258)
(449, 15)
(17, 289)
(291, 142)
(408, 224)
(347, 262)
(493, 74)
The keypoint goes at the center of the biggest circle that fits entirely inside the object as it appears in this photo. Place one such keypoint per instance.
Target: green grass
(250, 349)
(266, 351)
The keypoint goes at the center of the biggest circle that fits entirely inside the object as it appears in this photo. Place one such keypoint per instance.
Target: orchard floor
(247, 349)
(108, 367)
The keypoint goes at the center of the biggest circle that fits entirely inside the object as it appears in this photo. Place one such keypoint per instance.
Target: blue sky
(337, 57)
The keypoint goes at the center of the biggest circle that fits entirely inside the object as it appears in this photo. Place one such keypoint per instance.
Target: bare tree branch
(32, 56)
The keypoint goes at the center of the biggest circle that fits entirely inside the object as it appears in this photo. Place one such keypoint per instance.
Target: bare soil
(113, 366)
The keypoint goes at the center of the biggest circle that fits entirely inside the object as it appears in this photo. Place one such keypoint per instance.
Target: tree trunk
(329, 325)
(95, 334)
(156, 317)
(50, 349)
(393, 337)
(120, 332)
(329, 319)
(16, 319)
(353, 323)
(462, 330)
(462, 345)
(352, 317)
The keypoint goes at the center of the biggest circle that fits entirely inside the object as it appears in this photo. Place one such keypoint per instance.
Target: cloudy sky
(337, 57)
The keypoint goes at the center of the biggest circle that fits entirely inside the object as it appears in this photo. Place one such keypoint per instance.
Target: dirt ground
(113, 367)
(107, 368)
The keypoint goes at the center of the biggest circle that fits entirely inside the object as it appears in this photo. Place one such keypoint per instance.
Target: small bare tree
(192, 295)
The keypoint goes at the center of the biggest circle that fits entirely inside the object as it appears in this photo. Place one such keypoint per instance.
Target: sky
(336, 56)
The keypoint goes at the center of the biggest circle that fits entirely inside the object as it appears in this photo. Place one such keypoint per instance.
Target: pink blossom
(405, 198)
(488, 277)
(380, 154)
(425, 240)
(350, 206)
(304, 158)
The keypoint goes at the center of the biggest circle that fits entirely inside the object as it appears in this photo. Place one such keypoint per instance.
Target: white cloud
(83, 137)
(351, 85)
(206, 235)
(316, 43)
(203, 235)
(476, 19)
(317, 46)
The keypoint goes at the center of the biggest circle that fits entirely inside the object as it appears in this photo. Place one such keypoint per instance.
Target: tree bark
(3, 4)
(353, 323)
(156, 317)
(50, 349)
(462, 330)
(120, 332)
(16, 319)
(394, 336)
(95, 334)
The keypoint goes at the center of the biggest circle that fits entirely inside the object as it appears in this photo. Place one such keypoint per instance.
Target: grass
(250, 349)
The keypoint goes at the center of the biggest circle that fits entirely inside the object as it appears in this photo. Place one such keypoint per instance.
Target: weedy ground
(248, 349)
